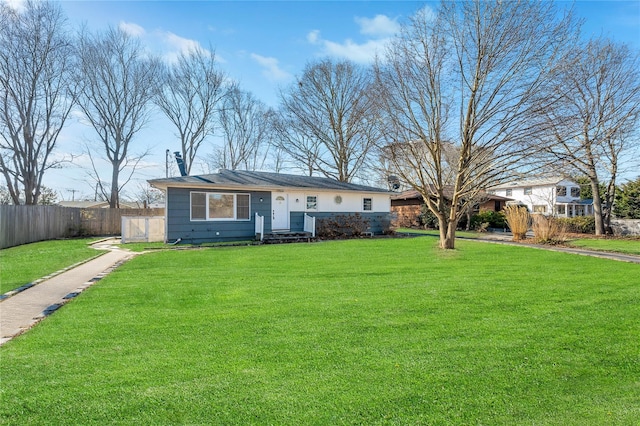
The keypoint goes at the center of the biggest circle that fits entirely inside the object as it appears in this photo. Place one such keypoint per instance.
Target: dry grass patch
(518, 219)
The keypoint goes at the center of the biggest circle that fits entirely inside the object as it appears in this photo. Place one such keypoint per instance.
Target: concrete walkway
(23, 310)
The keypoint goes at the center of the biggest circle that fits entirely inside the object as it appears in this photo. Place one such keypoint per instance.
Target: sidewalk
(22, 311)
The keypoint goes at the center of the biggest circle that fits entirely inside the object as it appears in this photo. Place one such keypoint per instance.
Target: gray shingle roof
(245, 179)
(544, 181)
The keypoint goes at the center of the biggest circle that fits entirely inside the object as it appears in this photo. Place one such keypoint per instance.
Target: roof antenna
(394, 182)
(180, 161)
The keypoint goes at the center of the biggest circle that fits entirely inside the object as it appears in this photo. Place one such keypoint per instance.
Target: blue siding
(180, 225)
(378, 222)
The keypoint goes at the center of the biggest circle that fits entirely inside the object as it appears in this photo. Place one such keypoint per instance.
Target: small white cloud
(360, 53)
(378, 30)
(379, 26)
(271, 68)
(313, 36)
(17, 5)
(132, 29)
(173, 45)
(181, 44)
(427, 13)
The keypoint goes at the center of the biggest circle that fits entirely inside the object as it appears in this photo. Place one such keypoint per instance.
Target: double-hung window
(219, 206)
(367, 204)
(312, 202)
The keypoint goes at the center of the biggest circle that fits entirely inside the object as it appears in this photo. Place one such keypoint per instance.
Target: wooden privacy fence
(27, 224)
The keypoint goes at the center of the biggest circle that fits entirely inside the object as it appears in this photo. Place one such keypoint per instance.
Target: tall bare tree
(468, 78)
(327, 119)
(191, 91)
(36, 57)
(596, 121)
(119, 81)
(247, 128)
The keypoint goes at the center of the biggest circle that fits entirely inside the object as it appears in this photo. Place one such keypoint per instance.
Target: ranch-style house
(234, 205)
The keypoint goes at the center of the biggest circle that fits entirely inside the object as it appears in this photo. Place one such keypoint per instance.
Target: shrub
(518, 219)
(342, 226)
(427, 219)
(491, 218)
(580, 224)
(548, 229)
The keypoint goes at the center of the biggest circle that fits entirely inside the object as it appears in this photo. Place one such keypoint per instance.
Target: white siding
(541, 195)
(349, 202)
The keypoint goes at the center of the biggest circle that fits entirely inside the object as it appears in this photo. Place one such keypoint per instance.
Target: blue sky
(263, 45)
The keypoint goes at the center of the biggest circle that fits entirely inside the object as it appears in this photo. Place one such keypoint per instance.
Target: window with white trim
(561, 191)
(198, 206)
(367, 204)
(220, 206)
(312, 202)
(528, 190)
(539, 208)
(575, 192)
(509, 192)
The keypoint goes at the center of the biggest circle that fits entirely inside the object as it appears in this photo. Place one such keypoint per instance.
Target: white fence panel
(259, 226)
(145, 229)
(310, 225)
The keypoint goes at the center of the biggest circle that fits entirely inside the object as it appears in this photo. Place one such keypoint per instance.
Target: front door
(280, 212)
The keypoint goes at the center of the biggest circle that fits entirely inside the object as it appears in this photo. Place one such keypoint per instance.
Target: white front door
(280, 212)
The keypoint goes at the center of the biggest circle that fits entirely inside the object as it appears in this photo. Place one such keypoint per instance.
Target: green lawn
(436, 233)
(628, 246)
(23, 264)
(376, 331)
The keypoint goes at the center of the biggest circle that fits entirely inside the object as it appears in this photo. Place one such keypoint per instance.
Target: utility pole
(73, 193)
(166, 162)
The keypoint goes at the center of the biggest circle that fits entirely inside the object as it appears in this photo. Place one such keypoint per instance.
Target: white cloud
(271, 68)
(180, 44)
(379, 26)
(132, 29)
(379, 31)
(17, 5)
(428, 13)
(172, 45)
(363, 53)
(313, 36)
(166, 44)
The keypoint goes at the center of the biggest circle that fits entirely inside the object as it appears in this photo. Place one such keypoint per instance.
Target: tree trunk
(597, 205)
(114, 199)
(447, 231)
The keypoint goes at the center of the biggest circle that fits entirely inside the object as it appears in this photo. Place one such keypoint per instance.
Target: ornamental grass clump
(548, 230)
(518, 219)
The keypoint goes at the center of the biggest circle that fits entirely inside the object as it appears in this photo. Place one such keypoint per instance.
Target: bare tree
(470, 79)
(147, 195)
(595, 123)
(191, 91)
(119, 81)
(36, 57)
(327, 119)
(129, 165)
(5, 197)
(247, 126)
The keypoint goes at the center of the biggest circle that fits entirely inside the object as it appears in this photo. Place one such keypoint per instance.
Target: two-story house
(550, 196)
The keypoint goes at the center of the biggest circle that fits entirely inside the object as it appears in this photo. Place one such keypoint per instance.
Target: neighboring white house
(550, 196)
